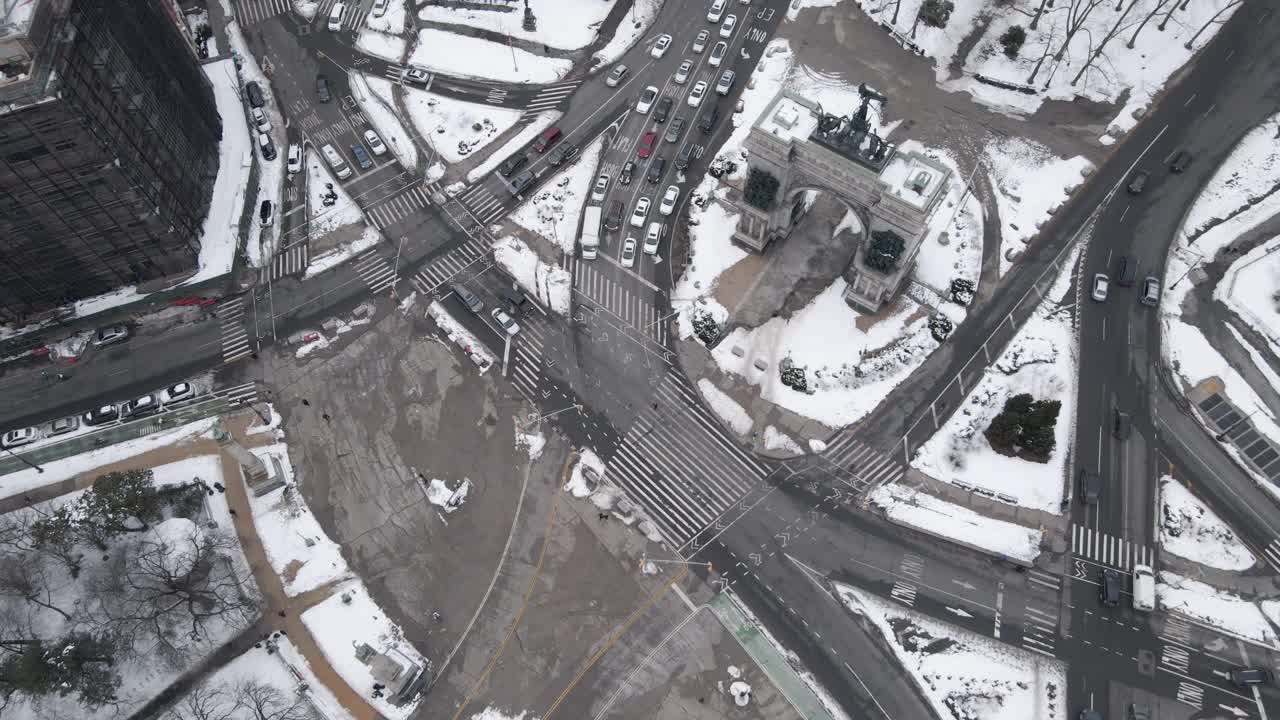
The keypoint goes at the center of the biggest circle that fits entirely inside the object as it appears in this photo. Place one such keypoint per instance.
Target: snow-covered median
(369, 237)
(541, 122)
(630, 30)
(465, 56)
(1211, 606)
(1249, 289)
(550, 285)
(936, 517)
(460, 336)
(725, 407)
(963, 674)
(391, 20)
(1190, 530)
(321, 182)
(555, 210)
(382, 45)
(456, 128)
(376, 100)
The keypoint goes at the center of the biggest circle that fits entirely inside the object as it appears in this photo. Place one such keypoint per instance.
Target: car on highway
(379, 8)
(378, 147)
(322, 89)
(698, 92)
(700, 42)
(628, 170)
(110, 335)
(564, 154)
(1123, 427)
(1100, 285)
(18, 438)
(266, 213)
(1180, 161)
(660, 46)
(682, 73)
(362, 156)
(725, 85)
(663, 109)
(520, 183)
(178, 392)
(1150, 291)
(716, 11)
(261, 120)
(512, 164)
(615, 77)
(140, 406)
(504, 321)
(294, 163)
(708, 121)
(653, 237)
(470, 299)
(629, 252)
(1110, 587)
(669, 200)
(1090, 486)
(640, 212)
(600, 188)
(728, 26)
(62, 426)
(645, 103)
(717, 53)
(1138, 182)
(417, 76)
(675, 130)
(1243, 677)
(267, 147)
(645, 148)
(101, 414)
(546, 139)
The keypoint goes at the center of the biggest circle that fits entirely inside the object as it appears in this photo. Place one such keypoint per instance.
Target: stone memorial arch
(795, 146)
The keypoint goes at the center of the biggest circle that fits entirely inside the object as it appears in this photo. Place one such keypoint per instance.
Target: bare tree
(1035, 21)
(1169, 15)
(1102, 44)
(1211, 21)
(1077, 13)
(25, 577)
(19, 534)
(897, 5)
(1134, 37)
(267, 702)
(204, 702)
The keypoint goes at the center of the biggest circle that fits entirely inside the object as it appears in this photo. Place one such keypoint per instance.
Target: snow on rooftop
(788, 120)
(961, 257)
(912, 178)
(465, 56)
(562, 24)
(1189, 529)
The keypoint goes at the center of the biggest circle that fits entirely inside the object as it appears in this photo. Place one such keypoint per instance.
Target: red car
(646, 144)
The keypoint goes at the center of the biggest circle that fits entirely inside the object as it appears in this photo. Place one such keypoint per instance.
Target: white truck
(590, 238)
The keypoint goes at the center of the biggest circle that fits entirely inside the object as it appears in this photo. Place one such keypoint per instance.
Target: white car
(111, 335)
(261, 120)
(601, 187)
(615, 77)
(682, 72)
(727, 27)
(375, 143)
(716, 11)
(661, 46)
(669, 200)
(504, 321)
(700, 42)
(629, 252)
(640, 212)
(417, 76)
(647, 96)
(380, 7)
(652, 238)
(14, 438)
(718, 53)
(295, 159)
(699, 91)
(1100, 285)
(178, 392)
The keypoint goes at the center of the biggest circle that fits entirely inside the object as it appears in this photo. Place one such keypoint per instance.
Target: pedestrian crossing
(680, 466)
(1272, 554)
(352, 19)
(376, 272)
(529, 358)
(1190, 694)
(1044, 580)
(255, 11)
(1106, 549)
(626, 304)
(291, 261)
(483, 205)
(871, 467)
(395, 207)
(235, 339)
(551, 96)
(469, 258)
(242, 394)
(1040, 629)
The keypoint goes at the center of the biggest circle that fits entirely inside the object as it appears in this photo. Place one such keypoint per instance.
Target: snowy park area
(392, 20)
(562, 24)
(1040, 361)
(1250, 173)
(711, 225)
(550, 285)
(376, 100)
(960, 218)
(1096, 49)
(273, 681)
(1030, 184)
(1191, 530)
(465, 56)
(1211, 606)
(456, 128)
(382, 45)
(939, 518)
(963, 674)
(1250, 287)
(533, 129)
(555, 210)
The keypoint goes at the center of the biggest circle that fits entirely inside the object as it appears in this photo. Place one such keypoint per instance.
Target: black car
(627, 171)
(103, 414)
(662, 110)
(520, 183)
(1109, 588)
(708, 121)
(515, 300)
(684, 156)
(468, 298)
(1123, 425)
(512, 164)
(673, 132)
(1180, 161)
(563, 154)
(1244, 677)
(1138, 182)
(322, 89)
(362, 157)
(1090, 486)
(656, 169)
(253, 91)
(613, 220)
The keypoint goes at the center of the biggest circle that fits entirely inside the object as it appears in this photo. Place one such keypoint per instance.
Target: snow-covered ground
(606, 496)
(1251, 171)
(382, 45)
(1040, 361)
(456, 128)
(1211, 606)
(1191, 530)
(1030, 184)
(562, 24)
(319, 179)
(1140, 71)
(349, 617)
(369, 237)
(554, 211)
(465, 56)
(728, 409)
(461, 337)
(769, 77)
(960, 217)
(963, 674)
(578, 485)
(938, 517)
(300, 552)
(391, 21)
(1250, 287)
(775, 439)
(711, 226)
(220, 235)
(525, 136)
(630, 30)
(276, 665)
(549, 284)
(376, 100)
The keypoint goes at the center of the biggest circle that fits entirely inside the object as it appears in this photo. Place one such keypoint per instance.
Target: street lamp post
(27, 462)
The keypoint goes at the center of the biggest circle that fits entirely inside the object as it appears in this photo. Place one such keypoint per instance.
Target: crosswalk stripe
(1272, 553)
(1106, 549)
(747, 464)
(658, 499)
(721, 486)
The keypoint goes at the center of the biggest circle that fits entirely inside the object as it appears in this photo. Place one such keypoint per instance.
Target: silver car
(1101, 283)
(615, 77)
(682, 72)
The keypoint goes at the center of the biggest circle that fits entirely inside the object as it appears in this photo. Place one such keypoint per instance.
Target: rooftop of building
(23, 63)
(789, 117)
(913, 177)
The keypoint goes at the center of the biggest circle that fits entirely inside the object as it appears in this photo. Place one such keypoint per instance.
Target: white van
(653, 237)
(339, 166)
(1144, 588)
(335, 17)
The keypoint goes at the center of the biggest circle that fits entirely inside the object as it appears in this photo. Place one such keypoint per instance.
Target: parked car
(548, 138)
(144, 405)
(362, 156)
(1090, 486)
(615, 77)
(1110, 587)
(1138, 182)
(628, 169)
(601, 188)
(1180, 161)
(470, 299)
(267, 147)
(1150, 291)
(669, 200)
(647, 142)
(504, 321)
(640, 212)
(675, 130)
(18, 438)
(629, 252)
(698, 92)
(1100, 285)
(294, 164)
(376, 145)
(645, 103)
(102, 414)
(512, 164)
(700, 42)
(682, 73)
(266, 214)
(260, 119)
(661, 45)
(322, 89)
(111, 335)
(178, 392)
(62, 426)
(253, 91)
